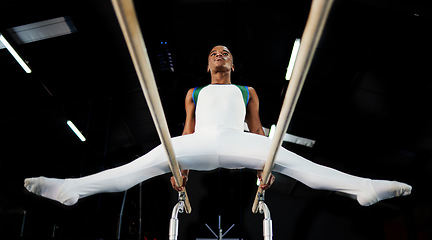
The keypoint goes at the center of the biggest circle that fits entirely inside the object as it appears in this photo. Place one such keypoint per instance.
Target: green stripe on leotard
(244, 90)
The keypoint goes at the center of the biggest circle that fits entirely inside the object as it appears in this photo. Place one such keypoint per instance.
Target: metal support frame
(174, 222)
(267, 222)
(220, 231)
(23, 223)
(120, 221)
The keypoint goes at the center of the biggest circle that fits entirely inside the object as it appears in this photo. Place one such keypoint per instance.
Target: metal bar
(174, 222)
(228, 230)
(311, 36)
(127, 18)
(211, 231)
(23, 223)
(121, 216)
(140, 212)
(267, 222)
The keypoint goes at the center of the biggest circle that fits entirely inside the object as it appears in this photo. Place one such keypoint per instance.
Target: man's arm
(252, 113)
(254, 124)
(189, 128)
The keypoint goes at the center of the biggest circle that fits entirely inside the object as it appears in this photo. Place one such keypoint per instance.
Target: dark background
(366, 101)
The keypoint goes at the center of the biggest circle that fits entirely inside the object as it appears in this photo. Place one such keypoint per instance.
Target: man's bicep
(252, 114)
(190, 114)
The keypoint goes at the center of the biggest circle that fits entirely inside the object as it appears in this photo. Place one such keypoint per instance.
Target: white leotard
(219, 141)
(220, 106)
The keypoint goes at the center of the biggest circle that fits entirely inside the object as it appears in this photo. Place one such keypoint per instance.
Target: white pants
(217, 148)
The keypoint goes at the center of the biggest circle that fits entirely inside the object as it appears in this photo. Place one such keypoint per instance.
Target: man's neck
(221, 78)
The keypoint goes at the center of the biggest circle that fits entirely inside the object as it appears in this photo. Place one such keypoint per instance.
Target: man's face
(220, 59)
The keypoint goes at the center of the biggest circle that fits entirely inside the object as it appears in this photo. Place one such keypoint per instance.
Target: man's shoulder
(195, 92)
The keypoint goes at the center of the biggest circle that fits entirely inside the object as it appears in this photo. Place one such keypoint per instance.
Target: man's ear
(208, 69)
(232, 68)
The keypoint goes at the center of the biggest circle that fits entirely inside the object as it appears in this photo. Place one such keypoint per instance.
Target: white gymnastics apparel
(218, 142)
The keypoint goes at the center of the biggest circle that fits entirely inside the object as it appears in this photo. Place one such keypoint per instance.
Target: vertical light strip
(76, 131)
(292, 59)
(15, 54)
(272, 131)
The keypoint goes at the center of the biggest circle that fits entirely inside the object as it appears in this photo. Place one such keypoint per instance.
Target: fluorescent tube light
(292, 59)
(15, 54)
(76, 131)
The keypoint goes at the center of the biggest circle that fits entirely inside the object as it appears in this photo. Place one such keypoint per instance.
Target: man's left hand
(269, 183)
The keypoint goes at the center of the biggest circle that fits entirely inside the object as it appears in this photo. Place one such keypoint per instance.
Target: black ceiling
(366, 101)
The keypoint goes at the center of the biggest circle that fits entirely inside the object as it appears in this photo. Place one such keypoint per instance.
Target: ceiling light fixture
(292, 59)
(15, 54)
(76, 131)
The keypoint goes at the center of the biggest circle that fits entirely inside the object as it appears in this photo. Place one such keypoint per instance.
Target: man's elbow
(188, 131)
(258, 131)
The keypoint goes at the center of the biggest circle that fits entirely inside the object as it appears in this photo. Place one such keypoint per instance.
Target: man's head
(220, 59)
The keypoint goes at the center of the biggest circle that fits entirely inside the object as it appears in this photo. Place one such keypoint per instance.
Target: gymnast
(214, 137)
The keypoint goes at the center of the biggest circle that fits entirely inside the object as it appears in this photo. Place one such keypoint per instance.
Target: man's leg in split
(205, 152)
(255, 148)
(366, 191)
(68, 191)
(192, 152)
